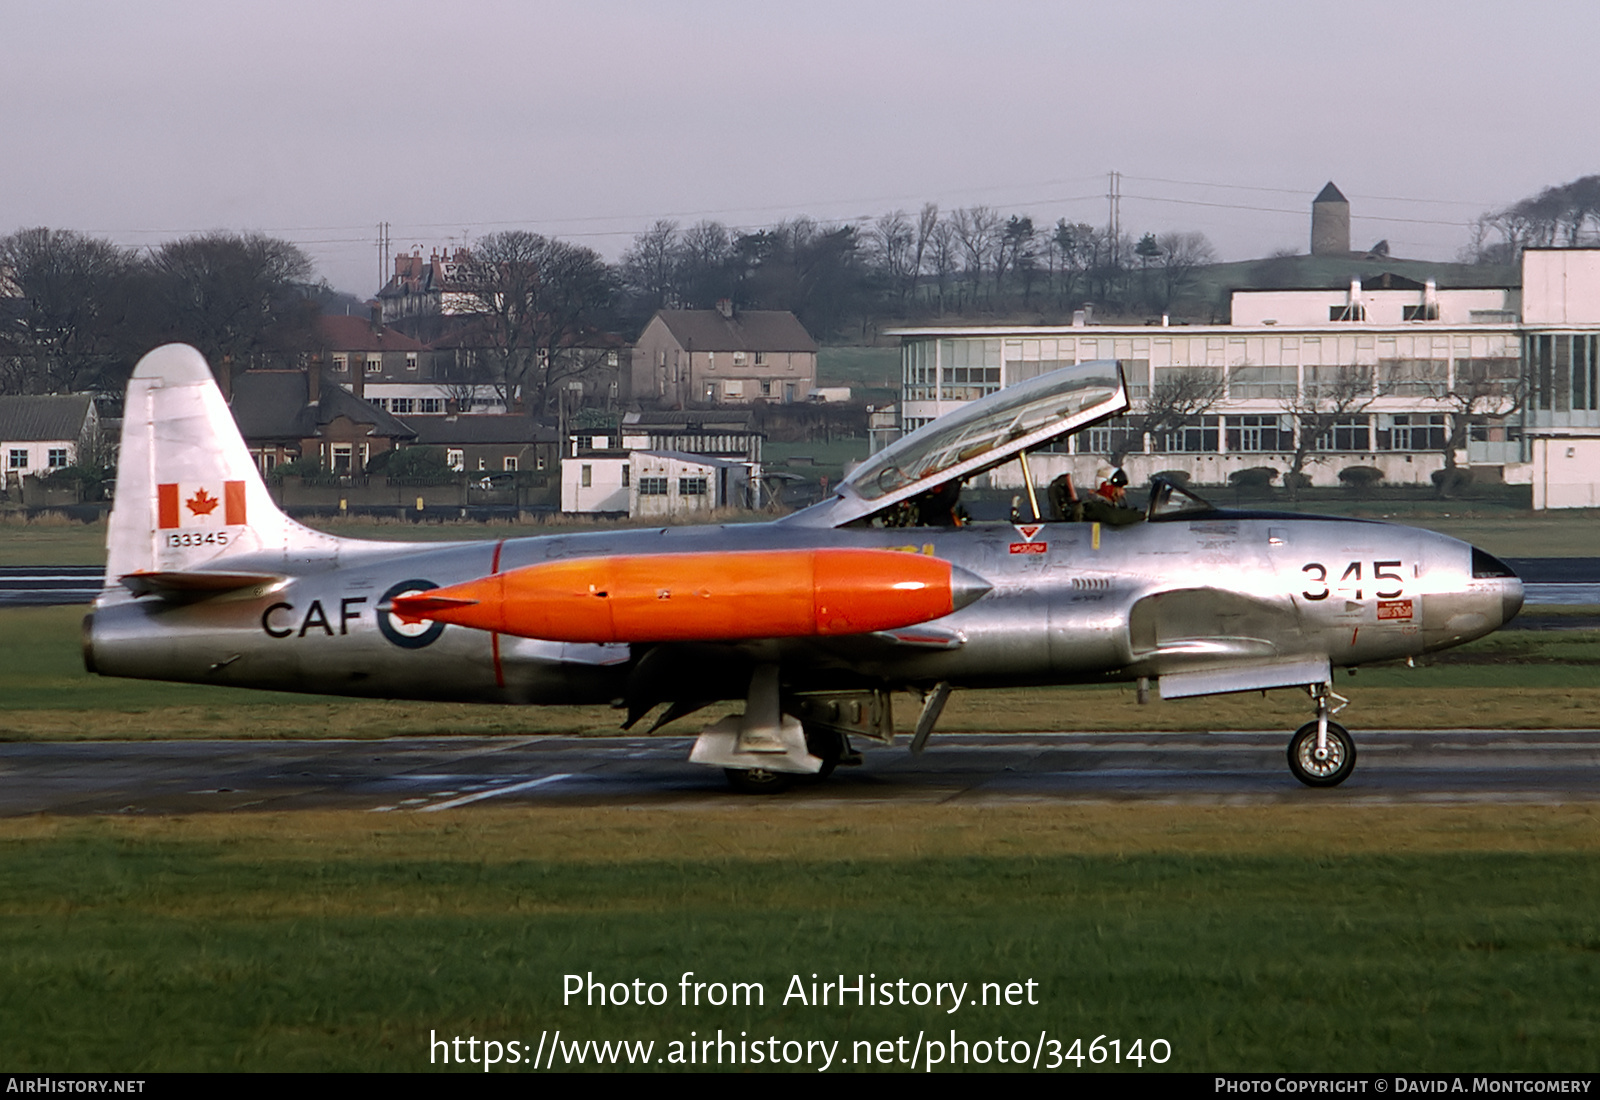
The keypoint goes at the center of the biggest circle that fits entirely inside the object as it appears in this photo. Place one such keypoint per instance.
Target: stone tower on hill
(1330, 223)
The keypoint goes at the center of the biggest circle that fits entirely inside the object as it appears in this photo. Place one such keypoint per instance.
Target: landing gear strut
(1321, 753)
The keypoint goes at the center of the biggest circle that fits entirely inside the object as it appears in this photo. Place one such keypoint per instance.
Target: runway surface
(424, 775)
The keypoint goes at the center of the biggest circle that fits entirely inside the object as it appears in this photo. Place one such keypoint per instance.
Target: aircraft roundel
(403, 634)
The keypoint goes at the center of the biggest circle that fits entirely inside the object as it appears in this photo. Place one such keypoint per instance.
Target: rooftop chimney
(725, 307)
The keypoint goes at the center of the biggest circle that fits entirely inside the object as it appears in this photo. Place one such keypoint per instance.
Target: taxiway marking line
(466, 798)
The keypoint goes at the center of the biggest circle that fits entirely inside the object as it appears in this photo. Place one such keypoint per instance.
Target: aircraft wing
(979, 437)
(1203, 641)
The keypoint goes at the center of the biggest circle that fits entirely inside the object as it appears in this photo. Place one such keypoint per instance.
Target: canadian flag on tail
(182, 505)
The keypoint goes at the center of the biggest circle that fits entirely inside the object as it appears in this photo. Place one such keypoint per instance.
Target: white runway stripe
(515, 787)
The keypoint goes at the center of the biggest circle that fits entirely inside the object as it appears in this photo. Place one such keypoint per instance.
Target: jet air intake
(730, 596)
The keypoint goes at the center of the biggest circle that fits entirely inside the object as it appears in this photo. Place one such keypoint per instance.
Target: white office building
(1386, 371)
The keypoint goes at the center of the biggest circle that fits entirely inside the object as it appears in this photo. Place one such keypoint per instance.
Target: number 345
(1350, 580)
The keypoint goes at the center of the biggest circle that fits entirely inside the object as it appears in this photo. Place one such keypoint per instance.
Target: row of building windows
(657, 486)
(1564, 371)
(1411, 377)
(740, 359)
(404, 406)
(1269, 434)
(56, 458)
(373, 363)
(1030, 356)
(747, 387)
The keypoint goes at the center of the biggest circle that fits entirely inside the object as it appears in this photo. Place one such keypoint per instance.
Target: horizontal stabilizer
(193, 585)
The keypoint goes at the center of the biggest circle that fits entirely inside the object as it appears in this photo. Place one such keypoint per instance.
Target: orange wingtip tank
(703, 596)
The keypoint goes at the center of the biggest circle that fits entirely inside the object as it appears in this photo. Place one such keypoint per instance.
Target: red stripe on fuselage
(494, 639)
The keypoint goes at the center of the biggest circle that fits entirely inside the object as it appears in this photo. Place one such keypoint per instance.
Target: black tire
(827, 746)
(758, 780)
(1322, 773)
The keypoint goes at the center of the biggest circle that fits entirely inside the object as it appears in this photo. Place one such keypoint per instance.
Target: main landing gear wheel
(758, 780)
(1332, 769)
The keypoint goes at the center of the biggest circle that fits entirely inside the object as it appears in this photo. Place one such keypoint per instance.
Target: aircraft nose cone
(1510, 598)
(1486, 566)
(966, 587)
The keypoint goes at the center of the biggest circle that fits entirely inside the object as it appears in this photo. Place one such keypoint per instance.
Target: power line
(1302, 191)
(588, 218)
(1299, 212)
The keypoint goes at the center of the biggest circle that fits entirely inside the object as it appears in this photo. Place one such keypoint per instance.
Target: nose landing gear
(1321, 752)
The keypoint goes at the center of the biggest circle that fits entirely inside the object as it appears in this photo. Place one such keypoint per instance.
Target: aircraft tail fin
(188, 492)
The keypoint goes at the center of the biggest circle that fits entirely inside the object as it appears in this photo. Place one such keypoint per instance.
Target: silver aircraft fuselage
(812, 619)
(1075, 603)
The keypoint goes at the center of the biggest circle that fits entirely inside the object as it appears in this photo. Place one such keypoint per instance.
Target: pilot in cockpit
(1108, 503)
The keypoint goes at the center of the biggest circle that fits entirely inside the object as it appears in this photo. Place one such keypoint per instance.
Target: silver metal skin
(1154, 599)
(1200, 600)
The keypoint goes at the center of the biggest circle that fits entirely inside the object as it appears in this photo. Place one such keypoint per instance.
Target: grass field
(872, 373)
(1308, 938)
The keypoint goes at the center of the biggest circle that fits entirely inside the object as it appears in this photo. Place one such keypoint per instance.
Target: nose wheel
(1327, 768)
(1321, 753)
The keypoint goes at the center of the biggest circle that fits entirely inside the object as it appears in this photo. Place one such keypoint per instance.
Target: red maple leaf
(202, 504)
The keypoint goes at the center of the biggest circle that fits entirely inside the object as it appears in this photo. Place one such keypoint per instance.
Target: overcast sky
(590, 119)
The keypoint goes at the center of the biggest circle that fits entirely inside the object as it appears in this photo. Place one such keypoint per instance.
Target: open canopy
(978, 437)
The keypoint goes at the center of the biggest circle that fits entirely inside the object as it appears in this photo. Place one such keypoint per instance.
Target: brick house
(290, 415)
(723, 356)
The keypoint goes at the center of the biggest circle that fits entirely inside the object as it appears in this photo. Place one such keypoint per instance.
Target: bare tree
(535, 300)
(67, 298)
(1178, 397)
(1485, 392)
(706, 265)
(1179, 255)
(927, 224)
(891, 247)
(649, 266)
(240, 299)
(1318, 408)
(1566, 215)
(941, 260)
(977, 229)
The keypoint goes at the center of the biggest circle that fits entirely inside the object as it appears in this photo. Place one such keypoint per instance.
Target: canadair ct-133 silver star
(813, 619)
